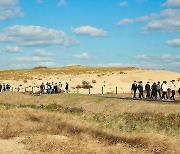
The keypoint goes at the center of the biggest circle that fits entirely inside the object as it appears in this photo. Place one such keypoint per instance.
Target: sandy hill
(97, 77)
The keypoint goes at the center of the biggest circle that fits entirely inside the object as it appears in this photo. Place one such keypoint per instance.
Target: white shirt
(164, 87)
(173, 86)
(179, 85)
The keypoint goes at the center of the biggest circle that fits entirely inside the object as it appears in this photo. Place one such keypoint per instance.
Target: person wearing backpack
(134, 89)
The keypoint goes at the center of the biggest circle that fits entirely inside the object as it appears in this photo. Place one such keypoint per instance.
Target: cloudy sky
(140, 33)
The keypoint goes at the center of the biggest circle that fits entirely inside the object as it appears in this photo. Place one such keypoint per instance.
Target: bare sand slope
(108, 79)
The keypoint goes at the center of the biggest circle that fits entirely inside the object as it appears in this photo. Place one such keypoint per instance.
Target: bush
(93, 81)
(86, 85)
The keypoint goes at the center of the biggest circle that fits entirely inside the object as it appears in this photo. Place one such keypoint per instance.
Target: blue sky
(104, 33)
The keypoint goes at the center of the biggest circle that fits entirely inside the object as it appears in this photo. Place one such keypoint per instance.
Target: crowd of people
(53, 88)
(156, 90)
(4, 87)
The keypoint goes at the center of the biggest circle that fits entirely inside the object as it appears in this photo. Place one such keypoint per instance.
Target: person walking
(46, 87)
(179, 87)
(52, 88)
(173, 90)
(49, 88)
(158, 87)
(134, 89)
(140, 88)
(55, 88)
(164, 90)
(67, 87)
(154, 91)
(148, 90)
(4, 87)
(8, 87)
(0, 87)
(59, 87)
(42, 88)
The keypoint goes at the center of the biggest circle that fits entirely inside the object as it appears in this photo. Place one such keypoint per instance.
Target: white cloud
(24, 64)
(33, 59)
(84, 55)
(174, 43)
(167, 21)
(159, 58)
(88, 30)
(123, 3)
(36, 36)
(143, 18)
(42, 53)
(144, 57)
(39, 58)
(39, 1)
(117, 64)
(9, 9)
(11, 49)
(125, 21)
(174, 3)
(47, 64)
(61, 3)
(158, 61)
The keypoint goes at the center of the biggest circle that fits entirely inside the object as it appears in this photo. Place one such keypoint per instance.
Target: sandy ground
(15, 145)
(109, 81)
(12, 146)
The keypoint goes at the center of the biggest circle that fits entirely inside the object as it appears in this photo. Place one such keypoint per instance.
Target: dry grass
(88, 124)
(74, 128)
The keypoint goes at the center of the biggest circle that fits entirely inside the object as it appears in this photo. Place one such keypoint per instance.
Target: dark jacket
(134, 87)
(147, 87)
(154, 88)
(140, 87)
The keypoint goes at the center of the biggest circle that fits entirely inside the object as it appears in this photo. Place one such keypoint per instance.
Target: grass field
(72, 123)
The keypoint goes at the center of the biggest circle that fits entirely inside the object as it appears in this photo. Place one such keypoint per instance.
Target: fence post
(116, 91)
(25, 90)
(89, 91)
(78, 90)
(12, 88)
(18, 89)
(102, 91)
(32, 90)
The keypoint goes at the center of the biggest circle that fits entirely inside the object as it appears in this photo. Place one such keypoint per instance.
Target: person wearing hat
(148, 90)
(134, 89)
(173, 89)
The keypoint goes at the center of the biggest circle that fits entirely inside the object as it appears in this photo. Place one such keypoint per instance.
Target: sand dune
(108, 78)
